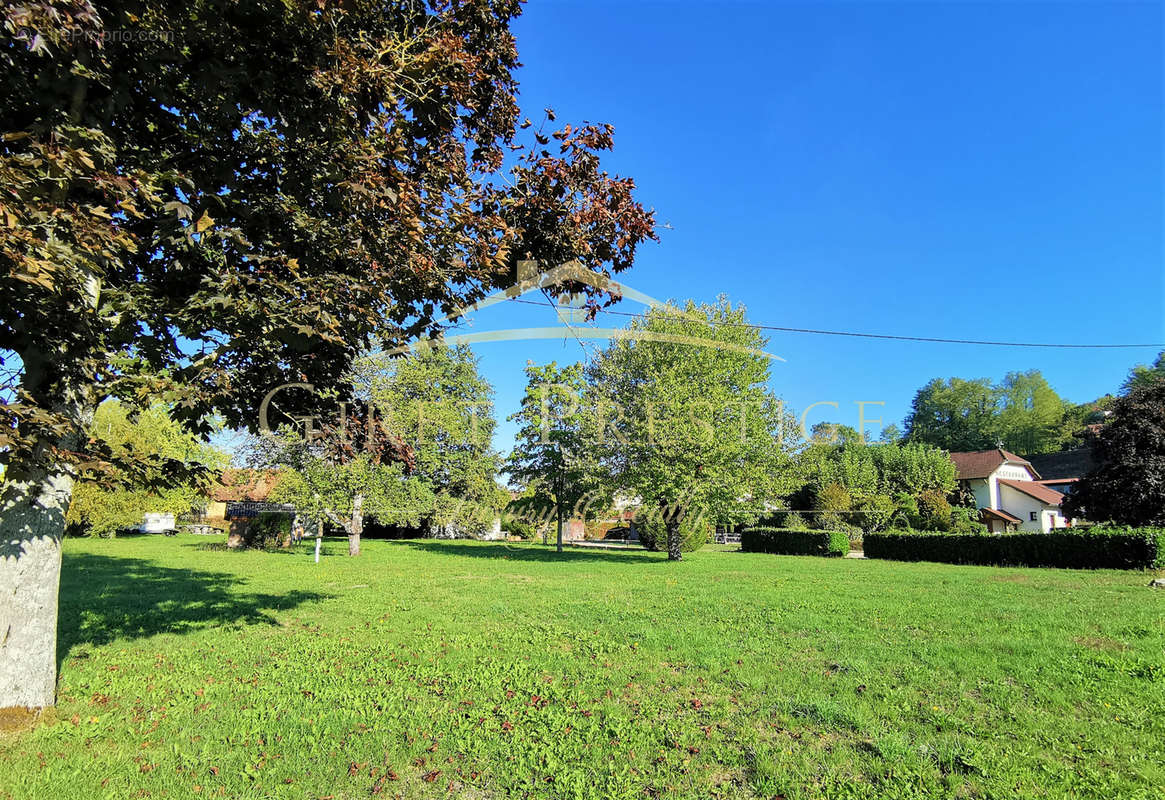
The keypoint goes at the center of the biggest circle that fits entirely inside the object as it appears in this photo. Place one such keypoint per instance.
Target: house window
(1034, 516)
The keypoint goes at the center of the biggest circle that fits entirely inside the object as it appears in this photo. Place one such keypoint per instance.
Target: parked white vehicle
(158, 522)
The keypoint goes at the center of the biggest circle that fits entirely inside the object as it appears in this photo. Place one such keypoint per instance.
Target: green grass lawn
(432, 668)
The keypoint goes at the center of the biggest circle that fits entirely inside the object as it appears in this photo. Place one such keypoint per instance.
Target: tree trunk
(559, 510)
(356, 526)
(32, 524)
(673, 541)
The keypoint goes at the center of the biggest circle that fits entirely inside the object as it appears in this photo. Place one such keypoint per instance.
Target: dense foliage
(267, 530)
(867, 487)
(955, 415)
(1023, 412)
(123, 496)
(687, 419)
(1068, 548)
(1144, 374)
(694, 531)
(437, 402)
(552, 459)
(1128, 484)
(787, 541)
(252, 197)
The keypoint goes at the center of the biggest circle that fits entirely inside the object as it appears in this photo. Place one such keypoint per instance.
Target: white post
(319, 538)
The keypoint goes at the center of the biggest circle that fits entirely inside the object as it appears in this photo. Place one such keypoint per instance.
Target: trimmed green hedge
(1068, 548)
(789, 542)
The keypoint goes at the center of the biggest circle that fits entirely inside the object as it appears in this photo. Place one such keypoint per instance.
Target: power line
(887, 336)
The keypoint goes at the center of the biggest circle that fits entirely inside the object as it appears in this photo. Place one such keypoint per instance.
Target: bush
(934, 512)
(267, 530)
(833, 497)
(966, 520)
(874, 513)
(785, 541)
(1068, 548)
(516, 526)
(695, 532)
(795, 521)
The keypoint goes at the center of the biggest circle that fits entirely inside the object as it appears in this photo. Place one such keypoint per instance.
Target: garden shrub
(695, 532)
(514, 525)
(906, 509)
(795, 521)
(934, 511)
(966, 520)
(786, 541)
(874, 513)
(833, 497)
(1068, 548)
(268, 529)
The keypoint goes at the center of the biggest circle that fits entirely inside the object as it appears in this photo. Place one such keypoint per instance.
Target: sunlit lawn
(486, 670)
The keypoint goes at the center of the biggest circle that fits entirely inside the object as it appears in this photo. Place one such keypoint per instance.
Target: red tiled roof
(1000, 514)
(1032, 489)
(237, 485)
(981, 463)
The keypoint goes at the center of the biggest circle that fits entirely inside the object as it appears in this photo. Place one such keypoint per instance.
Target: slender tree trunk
(558, 508)
(673, 541)
(32, 524)
(356, 526)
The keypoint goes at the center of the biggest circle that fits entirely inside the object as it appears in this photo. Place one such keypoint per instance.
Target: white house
(1008, 491)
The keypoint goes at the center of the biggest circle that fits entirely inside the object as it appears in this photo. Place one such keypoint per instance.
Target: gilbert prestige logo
(572, 314)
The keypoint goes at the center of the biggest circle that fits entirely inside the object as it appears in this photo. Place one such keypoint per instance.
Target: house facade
(1009, 492)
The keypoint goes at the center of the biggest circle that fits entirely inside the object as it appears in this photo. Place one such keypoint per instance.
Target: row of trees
(585, 436)
(414, 451)
(1022, 412)
(677, 416)
(849, 485)
(655, 418)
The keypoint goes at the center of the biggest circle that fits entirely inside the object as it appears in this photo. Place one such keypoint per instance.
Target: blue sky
(983, 171)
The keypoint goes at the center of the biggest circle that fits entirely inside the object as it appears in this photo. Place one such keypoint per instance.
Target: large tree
(1031, 413)
(955, 414)
(229, 196)
(688, 422)
(552, 459)
(436, 401)
(1128, 484)
(1142, 375)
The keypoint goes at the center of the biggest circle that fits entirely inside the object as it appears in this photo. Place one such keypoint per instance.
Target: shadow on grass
(105, 598)
(503, 550)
